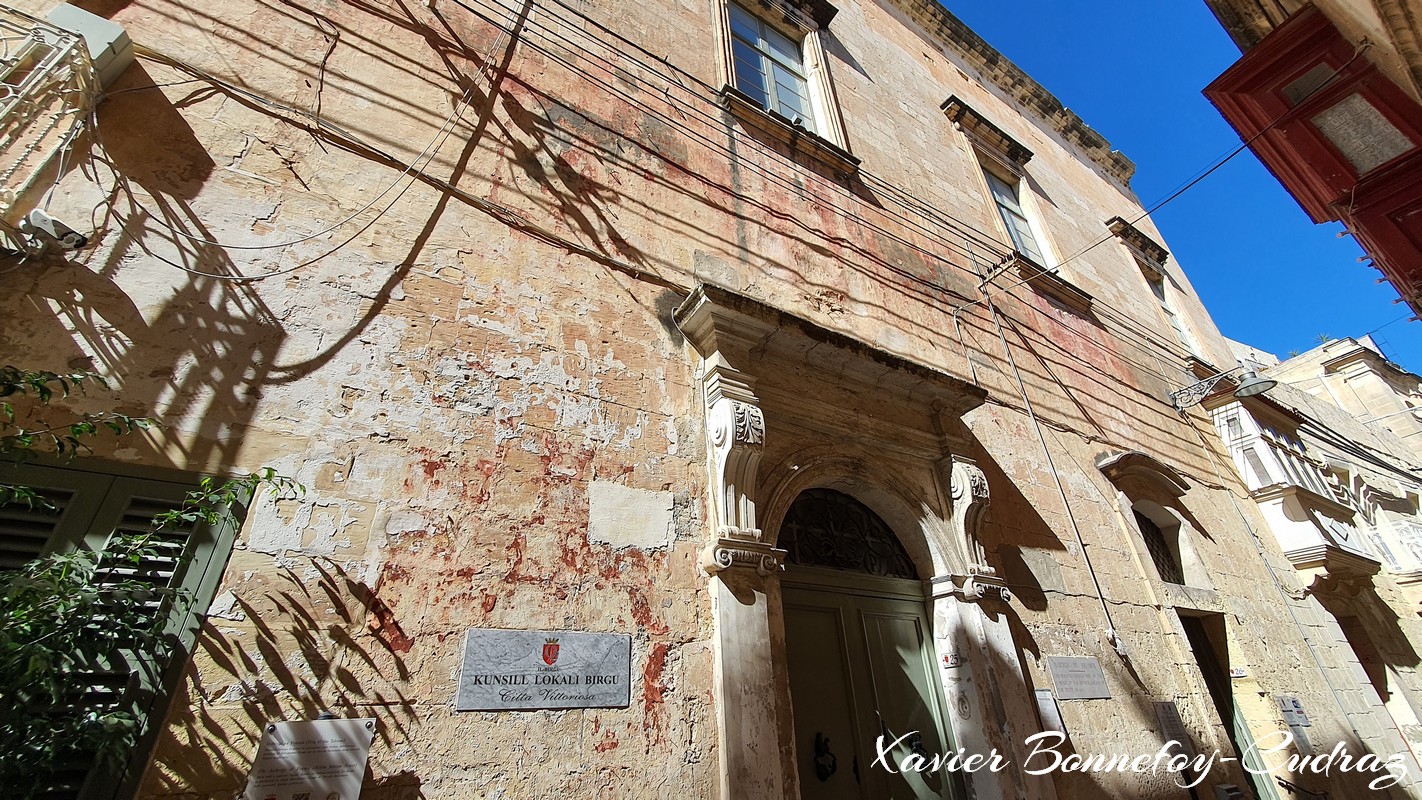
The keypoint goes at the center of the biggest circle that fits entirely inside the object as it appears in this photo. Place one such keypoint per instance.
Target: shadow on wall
(343, 655)
(1034, 564)
(198, 359)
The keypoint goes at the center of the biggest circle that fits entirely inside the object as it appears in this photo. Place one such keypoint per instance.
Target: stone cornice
(984, 133)
(819, 12)
(1307, 497)
(938, 22)
(1334, 562)
(719, 320)
(1136, 465)
(1154, 252)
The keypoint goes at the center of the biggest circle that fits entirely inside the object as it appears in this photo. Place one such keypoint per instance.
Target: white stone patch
(624, 517)
(269, 532)
(224, 606)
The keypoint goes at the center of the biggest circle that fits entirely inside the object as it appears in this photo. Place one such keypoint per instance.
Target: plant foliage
(75, 624)
(23, 440)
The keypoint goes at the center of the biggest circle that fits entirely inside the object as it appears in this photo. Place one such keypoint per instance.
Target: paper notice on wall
(1049, 712)
(320, 759)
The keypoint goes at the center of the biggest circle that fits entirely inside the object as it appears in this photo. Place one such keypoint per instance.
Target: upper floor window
(1150, 257)
(769, 67)
(1149, 494)
(1157, 287)
(1161, 551)
(1003, 160)
(777, 79)
(1014, 218)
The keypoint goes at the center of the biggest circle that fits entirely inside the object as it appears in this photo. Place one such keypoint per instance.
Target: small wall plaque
(1174, 729)
(321, 759)
(1078, 678)
(506, 670)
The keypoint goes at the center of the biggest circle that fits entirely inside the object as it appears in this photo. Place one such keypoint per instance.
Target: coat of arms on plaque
(550, 651)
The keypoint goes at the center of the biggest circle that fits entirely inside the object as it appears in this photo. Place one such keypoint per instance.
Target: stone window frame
(1150, 257)
(1005, 159)
(805, 22)
(1148, 487)
(767, 56)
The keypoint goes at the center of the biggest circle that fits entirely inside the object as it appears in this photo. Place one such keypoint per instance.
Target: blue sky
(1134, 71)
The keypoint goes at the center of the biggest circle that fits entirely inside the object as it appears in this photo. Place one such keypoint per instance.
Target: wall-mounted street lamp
(1249, 382)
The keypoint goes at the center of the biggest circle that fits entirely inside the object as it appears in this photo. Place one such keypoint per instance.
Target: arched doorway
(859, 654)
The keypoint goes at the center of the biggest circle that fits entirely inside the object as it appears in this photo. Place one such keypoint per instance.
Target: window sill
(1054, 286)
(795, 137)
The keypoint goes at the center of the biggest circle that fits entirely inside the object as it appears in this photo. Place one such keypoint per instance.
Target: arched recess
(828, 529)
(1148, 495)
(922, 525)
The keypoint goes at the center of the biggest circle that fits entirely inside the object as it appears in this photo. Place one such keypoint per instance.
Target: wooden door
(861, 667)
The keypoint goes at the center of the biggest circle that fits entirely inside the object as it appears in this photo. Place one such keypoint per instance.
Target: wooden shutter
(92, 507)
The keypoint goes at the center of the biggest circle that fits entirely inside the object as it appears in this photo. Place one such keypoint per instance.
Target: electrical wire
(697, 108)
(982, 238)
(1061, 488)
(1150, 342)
(1147, 342)
(1358, 51)
(321, 123)
(440, 135)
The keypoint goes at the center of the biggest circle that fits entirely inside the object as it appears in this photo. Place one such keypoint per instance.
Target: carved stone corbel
(968, 488)
(735, 427)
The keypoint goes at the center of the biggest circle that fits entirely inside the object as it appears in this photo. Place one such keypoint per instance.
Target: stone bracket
(734, 548)
(973, 587)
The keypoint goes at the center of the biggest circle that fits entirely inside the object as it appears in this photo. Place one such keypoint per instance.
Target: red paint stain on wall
(653, 689)
(386, 628)
(642, 613)
(609, 742)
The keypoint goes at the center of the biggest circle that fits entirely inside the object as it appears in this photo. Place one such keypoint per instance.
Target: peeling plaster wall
(498, 424)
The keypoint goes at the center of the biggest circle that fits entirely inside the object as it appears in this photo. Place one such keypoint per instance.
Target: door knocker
(825, 762)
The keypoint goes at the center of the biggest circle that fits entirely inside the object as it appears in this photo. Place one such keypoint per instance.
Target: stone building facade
(1340, 494)
(815, 349)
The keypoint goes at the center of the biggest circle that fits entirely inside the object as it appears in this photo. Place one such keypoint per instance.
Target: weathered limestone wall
(500, 426)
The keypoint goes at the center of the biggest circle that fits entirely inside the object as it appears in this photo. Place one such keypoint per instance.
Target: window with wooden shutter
(90, 506)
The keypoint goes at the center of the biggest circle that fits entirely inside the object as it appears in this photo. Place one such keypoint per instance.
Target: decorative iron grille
(826, 528)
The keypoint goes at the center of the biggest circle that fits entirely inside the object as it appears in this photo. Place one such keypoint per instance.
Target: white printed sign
(321, 759)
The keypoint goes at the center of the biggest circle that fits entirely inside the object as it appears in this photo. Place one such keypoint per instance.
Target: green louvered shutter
(92, 507)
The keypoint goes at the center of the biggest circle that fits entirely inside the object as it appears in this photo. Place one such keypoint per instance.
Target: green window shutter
(93, 507)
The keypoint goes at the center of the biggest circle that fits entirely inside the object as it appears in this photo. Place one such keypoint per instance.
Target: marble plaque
(1078, 678)
(507, 670)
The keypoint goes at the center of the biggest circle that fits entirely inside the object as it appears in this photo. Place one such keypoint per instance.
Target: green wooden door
(861, 667)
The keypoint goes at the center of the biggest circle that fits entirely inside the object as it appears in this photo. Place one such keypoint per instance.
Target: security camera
(39, 222)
